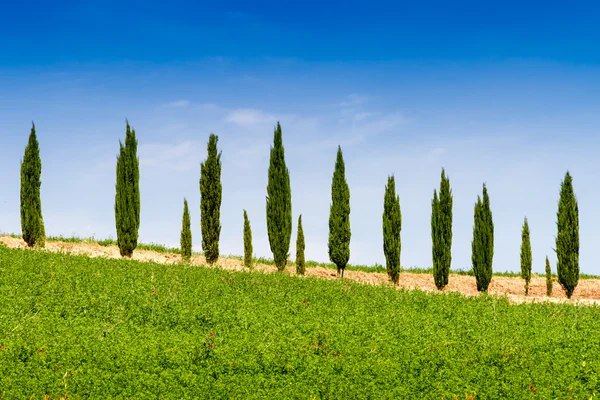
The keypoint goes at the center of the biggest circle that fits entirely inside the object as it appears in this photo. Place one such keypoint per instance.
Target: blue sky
(506, 94)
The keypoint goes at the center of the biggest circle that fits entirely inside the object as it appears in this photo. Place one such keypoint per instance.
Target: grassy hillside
(100, 328)
(160, 248)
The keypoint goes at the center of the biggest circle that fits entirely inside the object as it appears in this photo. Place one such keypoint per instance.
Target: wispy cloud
(434, 155)
(362, 116)
(382, 124)
(352, 109)
(249, 116)
(180, 157)
(353, 100)
(349, 132)
(176, 104)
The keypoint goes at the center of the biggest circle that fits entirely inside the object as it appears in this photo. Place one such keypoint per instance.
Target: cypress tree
(247, 241)
(300, 265)
(567, 239)
(526, 256)
(41, 241)
(548, 278)
(441, 232)
(186, 233)
(32, 222)
(339, 216)
(392, 225)
(279, 202)
(127, 198)
(210, 201)
(483, 242)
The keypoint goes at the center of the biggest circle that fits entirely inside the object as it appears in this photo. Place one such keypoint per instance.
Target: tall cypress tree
(392, 225)
(127, 198)
(32, 223)
(483, 242)
(279, 202)
(210, 201)
(186, 233)
(441, 232)
(526, 256)
(567, 239)
(247, 241)
(339, 216)
(548, 278)
(300, 264)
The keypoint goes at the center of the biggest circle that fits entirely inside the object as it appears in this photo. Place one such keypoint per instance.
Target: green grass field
(100, 328)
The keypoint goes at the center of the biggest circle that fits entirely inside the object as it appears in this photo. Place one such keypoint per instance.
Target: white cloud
(356, 131)
(384, 123)
(434, 155)
(182, 156)
(361, 116)
(353, 110)
(177, 104)
(249, 116)
(249, 156)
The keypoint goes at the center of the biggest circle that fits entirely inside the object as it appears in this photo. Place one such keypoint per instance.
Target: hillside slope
(101, 328)
(587, 292)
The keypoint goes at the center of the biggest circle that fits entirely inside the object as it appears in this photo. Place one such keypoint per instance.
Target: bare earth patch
(587, 291)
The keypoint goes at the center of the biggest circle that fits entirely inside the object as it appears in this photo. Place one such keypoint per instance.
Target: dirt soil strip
(586, 293)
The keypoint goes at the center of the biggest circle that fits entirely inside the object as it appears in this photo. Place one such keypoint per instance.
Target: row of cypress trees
(567, 240)
(279, 218)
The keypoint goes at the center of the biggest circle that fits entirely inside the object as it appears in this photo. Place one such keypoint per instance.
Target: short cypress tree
(526, 256)
(392, 225)
(279, 202)
(127, 198)
(210, 201)
(186, 233)
(548, 278)
(300, 265)
(567, 239)
(32, 223)
(247, 241)
(441, 232)
(339, 216)
(483, 242)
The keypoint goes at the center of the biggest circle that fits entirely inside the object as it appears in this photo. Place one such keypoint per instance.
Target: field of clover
(79, 327)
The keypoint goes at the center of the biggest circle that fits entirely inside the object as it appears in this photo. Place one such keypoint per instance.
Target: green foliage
(392, 225)
(279, 202)
(441, 232)
(210, 201)
(567, 238)
(41, 241)
(300, 264)
(32, 222)
(186, 233)
(548, 278)
(247, 241)
(127, 197)
(339, 216)
(142, 330)
(483, 242)
(526, 256)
